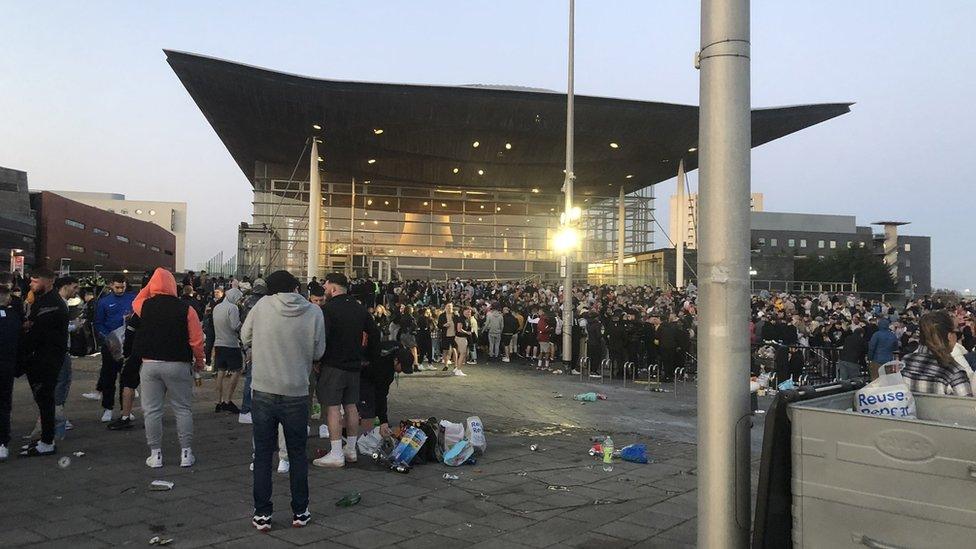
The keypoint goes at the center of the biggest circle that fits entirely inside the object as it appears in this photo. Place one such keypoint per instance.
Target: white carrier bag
(888, 395)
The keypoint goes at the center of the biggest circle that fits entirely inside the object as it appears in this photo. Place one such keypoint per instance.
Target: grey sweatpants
(157, 380)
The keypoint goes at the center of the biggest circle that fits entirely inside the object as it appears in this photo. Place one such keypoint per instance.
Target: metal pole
(568, 189)
(679, 244)
(621, 234)
(724, 143)
(314, 211)
(352, 225)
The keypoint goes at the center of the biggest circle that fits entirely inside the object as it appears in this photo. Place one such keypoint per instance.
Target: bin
(870, 481)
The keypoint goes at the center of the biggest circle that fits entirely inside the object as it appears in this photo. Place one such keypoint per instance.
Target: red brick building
(89, 236)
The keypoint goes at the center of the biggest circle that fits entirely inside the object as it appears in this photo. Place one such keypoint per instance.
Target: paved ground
(513, 497)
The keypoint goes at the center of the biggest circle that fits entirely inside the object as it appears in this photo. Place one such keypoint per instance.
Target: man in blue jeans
(286, 334)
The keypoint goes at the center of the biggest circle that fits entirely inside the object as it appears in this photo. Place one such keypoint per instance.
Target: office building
(17, 225)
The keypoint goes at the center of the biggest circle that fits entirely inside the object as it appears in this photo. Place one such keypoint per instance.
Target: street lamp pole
(567, 260)
(725, 141)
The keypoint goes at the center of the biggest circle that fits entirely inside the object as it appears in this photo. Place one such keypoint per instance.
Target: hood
(259, 287)
(884, 324)
(233, 296)
(289, 303)
(161, 283)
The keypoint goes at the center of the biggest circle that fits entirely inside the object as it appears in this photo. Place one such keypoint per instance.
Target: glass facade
(423, 232)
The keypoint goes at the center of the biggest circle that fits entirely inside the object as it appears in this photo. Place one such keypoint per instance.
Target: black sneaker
(120, 424)
(219, 407)
(301, 519)
(232, 408)
(262, 523)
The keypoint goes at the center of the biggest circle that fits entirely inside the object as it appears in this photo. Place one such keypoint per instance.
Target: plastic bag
(114, 341)
(370, 443)
(888, 395)
(450, 434)
(635, 453)
(590, 397)
(459, 453)
(474, 431)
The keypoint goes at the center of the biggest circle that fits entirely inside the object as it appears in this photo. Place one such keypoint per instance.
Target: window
(75, 248)
(773, 242)
(861, 243)
(908, 247)
(75, 224)
(908, 278)
(154, 248)
(803, 243)
(100, 253)
(99, 232)
(850, 244)
(791, 243)
(762, 242)
(820, 244)
(121, 238)
(833, 244)
(908, 262)
(140, 244)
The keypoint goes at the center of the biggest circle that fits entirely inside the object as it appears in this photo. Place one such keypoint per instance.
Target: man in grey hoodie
(494, 325)
(228, 359)
(286, 334)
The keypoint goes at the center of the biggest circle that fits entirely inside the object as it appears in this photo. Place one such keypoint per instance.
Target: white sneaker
(472, 362)
(68, 425)
(460, 373)
(576, 372)
(186, 458)
(4, 453)
(252, 465)
(155, 459)
(94, 395)
(283, 466)
(245, 419)
(506, 359)
(330, 460)
(106, 416)
(323, 431)
(349, 453)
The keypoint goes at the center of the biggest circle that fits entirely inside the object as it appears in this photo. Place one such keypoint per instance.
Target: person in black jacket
(852, 355)
(45, 345)
(11, 325)
(672, 344)
(374, 385)
(509, 329)
(346, 324)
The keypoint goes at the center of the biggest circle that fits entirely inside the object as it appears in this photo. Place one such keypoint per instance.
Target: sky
(87, 101)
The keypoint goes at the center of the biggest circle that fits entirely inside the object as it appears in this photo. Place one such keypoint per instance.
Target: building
(440, 181)
(690, 217)
(86, 238)
(17, 225)
(776, 234)
(168, 215)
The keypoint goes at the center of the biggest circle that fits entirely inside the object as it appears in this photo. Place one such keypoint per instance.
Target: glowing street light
(565, 240)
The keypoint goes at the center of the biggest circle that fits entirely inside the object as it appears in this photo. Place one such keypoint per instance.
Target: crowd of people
(328, 350)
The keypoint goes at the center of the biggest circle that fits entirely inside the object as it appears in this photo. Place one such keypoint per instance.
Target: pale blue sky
(87, 101)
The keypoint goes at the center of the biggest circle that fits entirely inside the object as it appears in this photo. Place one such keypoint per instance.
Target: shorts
(408, 340)
(337, 387)
(448, 342)
(367, 399)
(129, 377)
(229, 359)
(545, 346)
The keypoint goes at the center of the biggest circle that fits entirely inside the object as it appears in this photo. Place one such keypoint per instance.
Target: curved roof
(428, 132)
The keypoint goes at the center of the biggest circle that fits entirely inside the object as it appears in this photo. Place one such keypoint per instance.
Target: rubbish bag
(888, 395)
(636, 453)
(474, 431)
(114, 341)
(590, 397)
(459, 453)
(449, 433)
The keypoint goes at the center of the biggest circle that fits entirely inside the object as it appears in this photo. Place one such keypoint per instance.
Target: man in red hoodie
(169, 342)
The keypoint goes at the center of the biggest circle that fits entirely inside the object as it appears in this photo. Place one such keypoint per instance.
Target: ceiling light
(481, 172)
(371, 161)
(482, 206)
(476, 144)
(498, 209)
(443, 205)
(375, 222)
(614, 145)
(552, 209)
(361, 223)
(508, 146)
(535, 190)
(386, 202)
(425, 203)
(479, 219)
(456, 170)
(630, 176)
(316, 127)
(321, 159)
(369, 202)
(693, 149)
(377, 131)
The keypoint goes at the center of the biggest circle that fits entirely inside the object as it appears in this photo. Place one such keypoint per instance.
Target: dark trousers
(670, 359)
(594, 350)
(618, 355)
(108, 377)
(42, 376)
(6, 398)
(208, 346)
(425, 347)
(267, 412)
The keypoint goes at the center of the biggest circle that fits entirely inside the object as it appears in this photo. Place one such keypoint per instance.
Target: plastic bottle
(608, 454)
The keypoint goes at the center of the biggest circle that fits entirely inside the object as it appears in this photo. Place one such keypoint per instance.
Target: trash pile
(590, 397)
(427, 441)
(603, 448)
